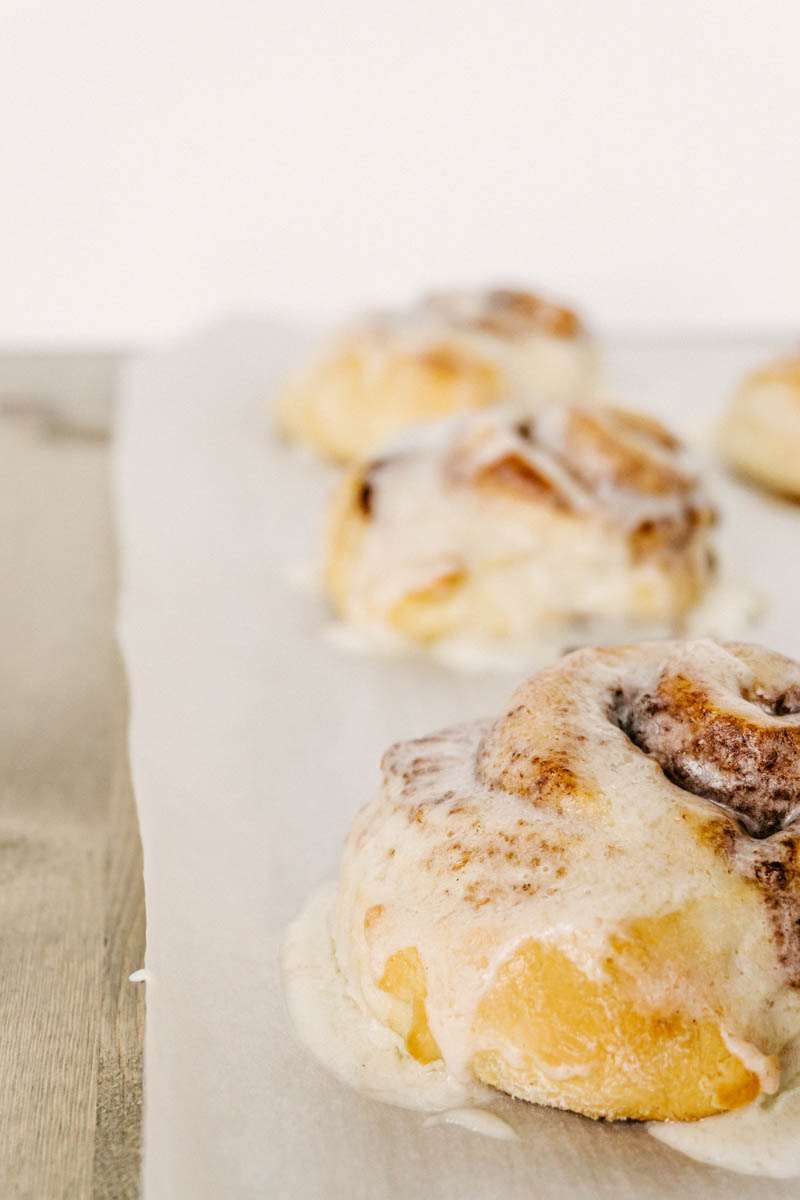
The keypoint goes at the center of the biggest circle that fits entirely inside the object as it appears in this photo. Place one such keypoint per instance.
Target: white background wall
(165, 160)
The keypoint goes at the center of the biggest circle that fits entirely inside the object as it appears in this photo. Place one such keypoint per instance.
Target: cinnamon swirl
(509, 524)
(454, 351)
(593, 901)
(760, 434)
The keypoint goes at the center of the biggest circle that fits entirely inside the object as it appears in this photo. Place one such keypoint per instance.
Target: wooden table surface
(71, 895)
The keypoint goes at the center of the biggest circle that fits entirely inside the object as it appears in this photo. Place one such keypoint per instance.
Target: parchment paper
(253, 743)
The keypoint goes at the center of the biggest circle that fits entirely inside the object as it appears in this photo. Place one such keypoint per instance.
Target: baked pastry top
(760, 433)
(593, 901)
(453, 351)
(508, 523)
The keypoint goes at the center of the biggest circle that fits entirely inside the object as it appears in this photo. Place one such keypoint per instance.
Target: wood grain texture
(71, 909)
(119, 1084)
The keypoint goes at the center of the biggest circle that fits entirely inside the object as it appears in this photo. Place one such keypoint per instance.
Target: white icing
(728, 610)
(464, 872)
(535, 363)
(526, 568)
(761, 1139)
(353, 1045)
(476, 1120)
(765, 1066)
(408, 868)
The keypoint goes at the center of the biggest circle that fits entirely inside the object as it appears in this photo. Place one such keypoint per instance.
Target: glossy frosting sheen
(506, 524)
(590, 820)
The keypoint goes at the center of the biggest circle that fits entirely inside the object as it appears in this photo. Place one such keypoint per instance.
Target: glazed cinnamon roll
(592, 901)
(760, 434)
(453, 351)
(508, 524)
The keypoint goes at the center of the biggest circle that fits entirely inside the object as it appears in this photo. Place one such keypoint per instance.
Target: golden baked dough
(593, 902)
(506, 523)
(453, 352)
(760, 433)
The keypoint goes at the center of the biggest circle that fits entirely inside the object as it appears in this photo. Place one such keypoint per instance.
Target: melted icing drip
(562, 516)
(761, 1139)
(476, 1120)
(550, 822)
(727, 611)
(583, 458)
(354, 1046)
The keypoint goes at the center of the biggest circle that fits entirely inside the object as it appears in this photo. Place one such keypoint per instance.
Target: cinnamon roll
(760, 434)
(508, 524)
(453, 351)
(593, 901)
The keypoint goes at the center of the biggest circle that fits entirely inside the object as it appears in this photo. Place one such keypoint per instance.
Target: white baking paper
(254, 741)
